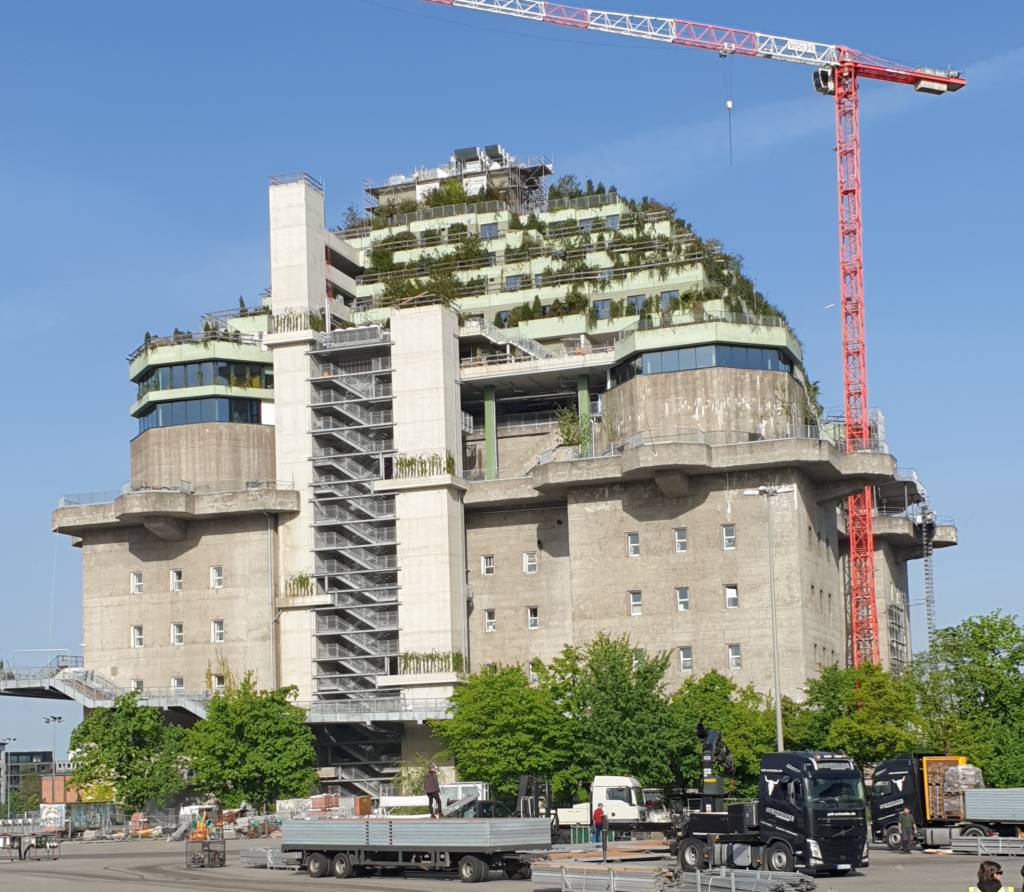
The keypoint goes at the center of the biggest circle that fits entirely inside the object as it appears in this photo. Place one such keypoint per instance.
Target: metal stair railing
(513, 337)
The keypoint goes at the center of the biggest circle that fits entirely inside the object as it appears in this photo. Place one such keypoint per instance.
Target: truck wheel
(343, 866)
(780, 858)
(691, 855)
(317, 865)
(517, 870)
(473, 869)
(893, 838)
(974, 832)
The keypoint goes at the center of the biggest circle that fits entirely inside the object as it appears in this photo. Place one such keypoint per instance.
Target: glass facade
(177, 412)
(202, 374)
(706, 356)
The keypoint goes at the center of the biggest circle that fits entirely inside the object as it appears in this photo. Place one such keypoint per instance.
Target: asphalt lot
(158, 864)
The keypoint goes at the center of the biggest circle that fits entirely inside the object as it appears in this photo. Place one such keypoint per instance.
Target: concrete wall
(204, 453)
(297, 248)
(715, 399)
(238, 544)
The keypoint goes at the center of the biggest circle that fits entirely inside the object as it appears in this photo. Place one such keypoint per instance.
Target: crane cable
(727, 83)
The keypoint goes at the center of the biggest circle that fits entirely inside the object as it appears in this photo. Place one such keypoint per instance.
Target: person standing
(990, 878)
(598, 821)
(432, 787)
(907, 830)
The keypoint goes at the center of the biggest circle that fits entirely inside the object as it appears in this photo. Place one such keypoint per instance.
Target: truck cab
(624, 804)
(896, 785)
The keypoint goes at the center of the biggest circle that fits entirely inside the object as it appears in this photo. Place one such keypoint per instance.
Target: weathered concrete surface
(202, 453)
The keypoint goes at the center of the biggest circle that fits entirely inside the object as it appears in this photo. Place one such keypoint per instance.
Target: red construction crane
(838, 69)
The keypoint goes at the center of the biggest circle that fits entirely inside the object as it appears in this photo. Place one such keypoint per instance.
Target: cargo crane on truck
(837, 71)
(809, 814)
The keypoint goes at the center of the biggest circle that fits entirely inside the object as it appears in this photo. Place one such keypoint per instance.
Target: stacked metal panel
(498, 834)
(572, 876)
(995, 806)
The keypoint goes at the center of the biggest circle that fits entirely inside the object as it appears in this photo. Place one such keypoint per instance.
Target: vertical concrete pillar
(583, 407)
(490, 434)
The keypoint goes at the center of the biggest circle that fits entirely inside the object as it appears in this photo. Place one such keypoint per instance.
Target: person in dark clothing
(907, 828)
(990, 878)
(432, 787)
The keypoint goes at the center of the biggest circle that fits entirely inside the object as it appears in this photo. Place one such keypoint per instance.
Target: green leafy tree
(28, 795)
(500, 728)
(253, 745)
(877, 717)
(130, 747)
(807, 724)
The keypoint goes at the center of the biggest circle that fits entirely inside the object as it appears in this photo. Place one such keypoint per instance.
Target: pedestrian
(990, 878)
(907, 830)
(598, 821)
(432, 787)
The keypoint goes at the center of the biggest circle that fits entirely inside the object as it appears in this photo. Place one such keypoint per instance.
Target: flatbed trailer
(346, 847)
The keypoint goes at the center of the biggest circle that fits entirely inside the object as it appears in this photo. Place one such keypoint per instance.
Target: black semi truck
(810, 813)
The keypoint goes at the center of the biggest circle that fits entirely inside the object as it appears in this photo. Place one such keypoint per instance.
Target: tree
(253, 745)
(130, 747)
(28, 795)
(807, 724)
(877, 717)
(500, 728)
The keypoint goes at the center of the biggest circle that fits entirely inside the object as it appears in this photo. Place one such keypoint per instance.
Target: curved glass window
(706, 356)
(172, 413)
(202, 374)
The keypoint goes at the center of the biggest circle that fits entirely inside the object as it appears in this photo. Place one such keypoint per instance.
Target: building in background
(479, 424)
(24, 764)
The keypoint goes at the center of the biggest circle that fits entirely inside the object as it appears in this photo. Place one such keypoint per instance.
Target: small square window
(538, 280)
(681, 540)
(636, 301)
(488, 231)
(636, 603)
(177, 580)
(137, 685)
(137, 639)
(490, 621)
(530, 562)
(137, 582)
(682, 599)
(534, 679)
(666, 299)
(178, 683)
(605, 275)
(513, 283)
(729, 536)
(735, 656)
(216, 577)
(586, 226)
(218, 682)
(686, 659)
(732, 597)
(603, 308)
(218, 631)
(611, 222)
(633, 544)
(533, 617)
(487, 565)
(177, 633)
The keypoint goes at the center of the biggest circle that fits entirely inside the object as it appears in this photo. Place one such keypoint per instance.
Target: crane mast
(838, 70)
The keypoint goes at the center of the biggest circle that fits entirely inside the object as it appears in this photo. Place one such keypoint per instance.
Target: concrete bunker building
(479, 424)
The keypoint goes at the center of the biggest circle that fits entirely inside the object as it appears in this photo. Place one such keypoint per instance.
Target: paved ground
(156, 864)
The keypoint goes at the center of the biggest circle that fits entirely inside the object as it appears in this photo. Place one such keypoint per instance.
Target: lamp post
(6, 789)
(770, 492)
(54, 720)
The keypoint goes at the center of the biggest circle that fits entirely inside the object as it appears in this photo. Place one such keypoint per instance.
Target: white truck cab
(623, 799)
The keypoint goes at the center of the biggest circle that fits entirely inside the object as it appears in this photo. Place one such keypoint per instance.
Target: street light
(6, 788)
(770, 492)
(54, 720)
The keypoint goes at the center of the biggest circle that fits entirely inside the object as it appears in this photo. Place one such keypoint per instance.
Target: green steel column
(490, 434)
(583, 391)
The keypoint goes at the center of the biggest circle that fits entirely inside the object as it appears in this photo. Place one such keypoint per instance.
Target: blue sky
(137, 140)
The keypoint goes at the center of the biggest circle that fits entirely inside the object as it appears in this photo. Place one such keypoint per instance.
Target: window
(488, 231)
(682, 599)
(666, 299)
(137, 582)
(137, 639)
(729, 536)
(633, 544)
(586, 226)
(611, 222)
(732, 597)
(735, 657)
(680, 535)
(216, 577)
(686, 659)
(177, 580)
(534, 679)
(177, 683)
(605, 275)
(137, 685)
(533, 617)
(218, 682)
(530, 562)
(217, 627)
(636, 603)
(177, 633)
(490, 621)
(603, 308)
(815, 654)
(830, 603)
(538, 280)
(635, 301)
(513, 283)
(821, 601)
(487, 565)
